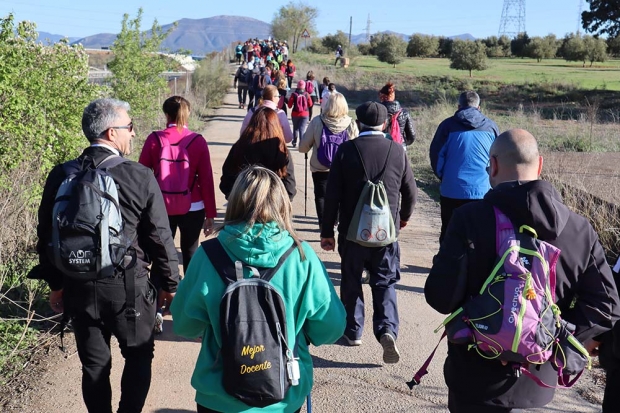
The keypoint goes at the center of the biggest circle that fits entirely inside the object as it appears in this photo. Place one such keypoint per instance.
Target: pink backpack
(395, 132)
(514, 318)
(173, 173)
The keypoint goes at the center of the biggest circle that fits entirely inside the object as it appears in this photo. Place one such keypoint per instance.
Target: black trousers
(242, 93)
(97, 309)
(460, 406)
(190, 226)
(202, 409)
(611, 364)
(448, 205)
(320, 187)
(250, 98)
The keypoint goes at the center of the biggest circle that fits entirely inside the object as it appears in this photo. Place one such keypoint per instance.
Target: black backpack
(88, 238)
(259, 367)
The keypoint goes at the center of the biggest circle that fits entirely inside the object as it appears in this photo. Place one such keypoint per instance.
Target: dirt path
(347, 379)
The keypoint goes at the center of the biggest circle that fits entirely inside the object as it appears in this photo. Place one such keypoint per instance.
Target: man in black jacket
(98, 308)
(344, 185)
(585, 291)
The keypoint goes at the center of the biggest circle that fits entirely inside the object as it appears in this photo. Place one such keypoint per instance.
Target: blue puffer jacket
(459, 154)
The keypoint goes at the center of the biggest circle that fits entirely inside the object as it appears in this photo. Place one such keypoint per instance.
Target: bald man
(585, 290)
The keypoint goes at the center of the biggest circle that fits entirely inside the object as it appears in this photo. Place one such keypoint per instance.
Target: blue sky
(440, 17)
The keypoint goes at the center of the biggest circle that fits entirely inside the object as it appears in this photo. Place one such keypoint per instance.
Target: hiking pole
(306, 187)
(309, 403)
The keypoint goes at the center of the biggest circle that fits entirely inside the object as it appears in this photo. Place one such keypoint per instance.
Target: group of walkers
(258, 296)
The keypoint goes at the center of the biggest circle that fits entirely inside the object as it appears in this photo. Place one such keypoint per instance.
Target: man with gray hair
(459, 155)
(369, 157)
(117, 299)
(585, 292)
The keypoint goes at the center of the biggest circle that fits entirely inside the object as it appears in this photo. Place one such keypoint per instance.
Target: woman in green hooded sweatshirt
(257, 231)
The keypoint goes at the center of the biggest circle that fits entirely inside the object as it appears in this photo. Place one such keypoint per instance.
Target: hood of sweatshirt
(260, 246)
(472, 118)
(534, 203)
(337, 125)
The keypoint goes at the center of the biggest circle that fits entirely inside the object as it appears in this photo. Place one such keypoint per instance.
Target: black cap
(371, 113)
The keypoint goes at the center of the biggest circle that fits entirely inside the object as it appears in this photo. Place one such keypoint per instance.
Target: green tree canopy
(43, 91)
(573, 48)
(596, 49)
(332, 41)
(290, 22)
(518, 45)
(422, 46)
(137, 68)
(540, 48)
(468, 55)
(603, 17)
(390, 49)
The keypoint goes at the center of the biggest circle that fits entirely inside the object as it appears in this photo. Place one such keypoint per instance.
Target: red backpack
(173, 173)
(309, 86)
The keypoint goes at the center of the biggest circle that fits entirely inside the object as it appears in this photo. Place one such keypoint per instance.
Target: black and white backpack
(259, 366)
(88, 238)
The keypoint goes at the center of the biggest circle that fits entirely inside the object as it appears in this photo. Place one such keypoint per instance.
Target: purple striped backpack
(514, 318)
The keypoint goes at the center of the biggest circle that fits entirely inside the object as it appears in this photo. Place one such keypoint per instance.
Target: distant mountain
(201, 36)
(361, 38)
(46, 38)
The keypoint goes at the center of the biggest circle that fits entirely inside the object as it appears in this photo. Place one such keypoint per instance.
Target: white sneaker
(390, 352)
(356, 342)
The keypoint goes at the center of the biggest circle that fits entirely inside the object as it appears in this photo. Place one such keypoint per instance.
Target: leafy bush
(42, 92)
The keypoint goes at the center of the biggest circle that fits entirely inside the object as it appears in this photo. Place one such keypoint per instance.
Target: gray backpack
(88, 239)
(372, 224)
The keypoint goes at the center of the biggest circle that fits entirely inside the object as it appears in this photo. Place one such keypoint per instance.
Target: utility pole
(513, 18)
(579, 17)
(350, 30)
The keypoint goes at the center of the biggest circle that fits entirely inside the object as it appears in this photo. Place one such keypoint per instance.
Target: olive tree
(468, 55)
(391, 49)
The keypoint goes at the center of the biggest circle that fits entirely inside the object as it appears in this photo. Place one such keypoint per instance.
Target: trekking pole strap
(563, 379)
(417, 378)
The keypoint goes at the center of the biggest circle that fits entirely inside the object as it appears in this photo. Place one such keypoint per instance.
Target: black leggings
(190, 226)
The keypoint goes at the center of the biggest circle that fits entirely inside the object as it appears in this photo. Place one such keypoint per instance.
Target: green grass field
(602, 76)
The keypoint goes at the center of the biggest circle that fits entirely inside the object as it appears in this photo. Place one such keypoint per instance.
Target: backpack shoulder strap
(162, 139)
(220, 260)
(268, 274)
(188, 139)
(111, 161)
(362, 160)
(387, 158)
(503, 228)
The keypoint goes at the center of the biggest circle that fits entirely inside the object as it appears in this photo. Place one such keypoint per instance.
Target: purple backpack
(514, 319)
(173, 173)
(329, 145)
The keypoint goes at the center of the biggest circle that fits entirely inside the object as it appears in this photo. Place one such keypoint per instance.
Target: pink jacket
(199, 162)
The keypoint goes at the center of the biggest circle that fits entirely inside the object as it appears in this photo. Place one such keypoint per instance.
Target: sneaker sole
(352, 343)
(390, 352)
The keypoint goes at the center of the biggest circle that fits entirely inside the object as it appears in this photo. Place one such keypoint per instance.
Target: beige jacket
(312, 137)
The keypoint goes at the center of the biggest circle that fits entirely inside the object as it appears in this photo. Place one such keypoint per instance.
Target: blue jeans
(383, 266)
(300, 124)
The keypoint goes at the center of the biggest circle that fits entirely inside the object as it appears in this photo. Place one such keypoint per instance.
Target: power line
(513, 18)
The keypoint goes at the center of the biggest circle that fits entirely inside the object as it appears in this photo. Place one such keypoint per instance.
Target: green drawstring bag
(372, 224)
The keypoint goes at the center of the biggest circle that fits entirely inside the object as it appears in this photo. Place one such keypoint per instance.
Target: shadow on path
(324, 363)
(168, 335)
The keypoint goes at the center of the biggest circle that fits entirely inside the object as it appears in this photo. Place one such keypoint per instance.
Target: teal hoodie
(312, 306)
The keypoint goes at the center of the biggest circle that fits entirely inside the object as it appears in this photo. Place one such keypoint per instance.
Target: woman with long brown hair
(387, 96)
(261, 143)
